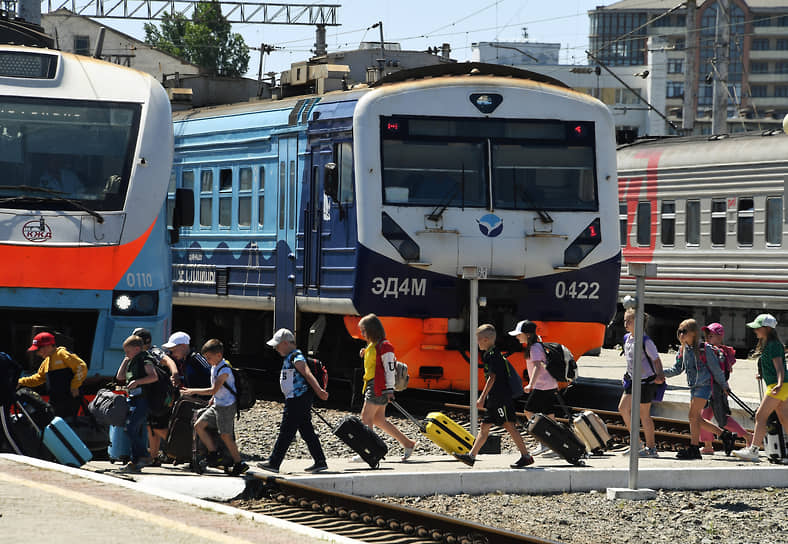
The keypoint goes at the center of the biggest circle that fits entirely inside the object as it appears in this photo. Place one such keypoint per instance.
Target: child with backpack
(701, 362)
(220, 414)
(771, 368)
(496, 397)
(542, 387)
(718, 404)
(651, 375)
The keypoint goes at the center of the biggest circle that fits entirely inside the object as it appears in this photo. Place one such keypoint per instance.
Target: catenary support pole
(473, 358)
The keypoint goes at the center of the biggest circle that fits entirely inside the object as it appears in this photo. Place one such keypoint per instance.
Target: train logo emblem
(490, 225)
(37, 231)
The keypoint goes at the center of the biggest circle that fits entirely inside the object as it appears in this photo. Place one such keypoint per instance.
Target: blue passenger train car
(313, 211)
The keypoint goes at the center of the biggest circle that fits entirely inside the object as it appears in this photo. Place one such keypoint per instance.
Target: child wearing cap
(62, 371)
(718, 403)
(771, 367)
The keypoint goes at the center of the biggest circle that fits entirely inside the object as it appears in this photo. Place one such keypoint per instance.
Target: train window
(187, 179)
(292, 195)
(317, 196)
(644, 224)
(719, 207)
(693, 223)
(244, 179)
(206, 181)
(774, 221)
(282, 193)
(448, 174)
(531, 177)
(225, 211)
(344, 153)
(668, 222)
(261, 198)
(225, 179)
(744, 221)
(206, 209)
(245, 211)
(622, 222)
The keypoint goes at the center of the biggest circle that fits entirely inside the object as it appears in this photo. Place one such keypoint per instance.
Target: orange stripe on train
(80, 267)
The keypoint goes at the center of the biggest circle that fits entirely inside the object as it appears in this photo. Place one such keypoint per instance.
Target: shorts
(782, 395)
(160, 421)
(221, 418)
(701, 392)
(648, 392)
(541, 401)
(372, 398)
(498, 414)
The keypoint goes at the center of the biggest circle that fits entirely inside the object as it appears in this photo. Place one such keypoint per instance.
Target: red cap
(42, 339)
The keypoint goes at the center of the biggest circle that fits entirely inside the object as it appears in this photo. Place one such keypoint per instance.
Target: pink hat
(715, 328)
(42, 339)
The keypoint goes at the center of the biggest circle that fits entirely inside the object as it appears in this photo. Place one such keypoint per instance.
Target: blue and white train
(313, 211)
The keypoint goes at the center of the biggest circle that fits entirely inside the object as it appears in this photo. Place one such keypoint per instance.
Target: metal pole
(719, 119)
(690, 71)
(640, 271)
(473, 353)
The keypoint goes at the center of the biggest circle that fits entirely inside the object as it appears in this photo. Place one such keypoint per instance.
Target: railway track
(366, 519)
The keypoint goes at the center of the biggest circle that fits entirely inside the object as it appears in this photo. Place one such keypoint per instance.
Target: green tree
(206, 40)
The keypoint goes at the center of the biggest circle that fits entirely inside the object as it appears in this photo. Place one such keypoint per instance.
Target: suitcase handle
(563, 405)
(318, 414)
(419, 424)
(741, 403)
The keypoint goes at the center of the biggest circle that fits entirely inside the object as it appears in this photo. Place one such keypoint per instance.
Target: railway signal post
(472, 274)
(640, 271)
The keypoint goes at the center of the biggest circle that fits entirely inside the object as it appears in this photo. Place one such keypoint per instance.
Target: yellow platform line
(125, 510)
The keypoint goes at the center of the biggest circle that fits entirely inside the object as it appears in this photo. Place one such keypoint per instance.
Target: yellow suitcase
(443, 431)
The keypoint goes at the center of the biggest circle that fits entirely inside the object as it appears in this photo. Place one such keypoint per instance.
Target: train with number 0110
(312, 211)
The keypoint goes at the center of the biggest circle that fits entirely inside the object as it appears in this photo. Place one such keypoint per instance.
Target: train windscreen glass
(54, 153)
(459, 163)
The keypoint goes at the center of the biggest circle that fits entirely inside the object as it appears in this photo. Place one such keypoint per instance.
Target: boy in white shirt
(221, 411)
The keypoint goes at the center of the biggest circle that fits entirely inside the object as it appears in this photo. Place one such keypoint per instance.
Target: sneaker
(540, 450)
(523, 462)
(239, 468)
(317, 467)
(707, 451)
(356, 459)
(550, 454)
(728, 439)
(408, 452)
(750, 453)
(465, 458)
(130, 467)
(689, 453)
(648, 452)
(266, 465)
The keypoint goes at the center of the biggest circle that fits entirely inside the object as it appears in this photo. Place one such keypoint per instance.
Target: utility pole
(690, 70)
(719, 66)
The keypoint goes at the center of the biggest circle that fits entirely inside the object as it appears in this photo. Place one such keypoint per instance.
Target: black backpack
(243, 392)
(318, 370)
(161, 393)
(560, 363)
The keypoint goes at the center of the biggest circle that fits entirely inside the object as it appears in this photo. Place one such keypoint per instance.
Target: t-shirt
(765, 365)
(545, 381)
(370, 358)
(494, 363)
(195, 371)
(291, 381)
(223, 397)
(645, 365)
(136, 370)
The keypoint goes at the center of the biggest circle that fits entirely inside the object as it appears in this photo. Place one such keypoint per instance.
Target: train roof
(692, 151)
(467, 69)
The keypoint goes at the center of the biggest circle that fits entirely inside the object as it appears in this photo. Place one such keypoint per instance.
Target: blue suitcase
(65, 445)
(119, 448)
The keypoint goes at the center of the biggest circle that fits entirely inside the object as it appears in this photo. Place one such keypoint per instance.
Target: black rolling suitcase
(360, 438)
(558, 437)
(179, 444)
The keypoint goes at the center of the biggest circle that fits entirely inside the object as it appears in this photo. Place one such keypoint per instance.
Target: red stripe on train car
(736, 280)
(88, 267)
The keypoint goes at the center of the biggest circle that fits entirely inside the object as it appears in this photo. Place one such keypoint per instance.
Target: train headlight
(135, 302)
(583, 244)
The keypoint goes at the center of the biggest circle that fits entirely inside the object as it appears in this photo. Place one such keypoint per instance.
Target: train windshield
(66, 154)
(520, 164)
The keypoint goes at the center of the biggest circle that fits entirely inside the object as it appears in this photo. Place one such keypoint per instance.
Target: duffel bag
(109, 408)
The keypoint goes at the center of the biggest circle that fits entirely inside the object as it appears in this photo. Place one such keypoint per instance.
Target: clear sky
(419, 24)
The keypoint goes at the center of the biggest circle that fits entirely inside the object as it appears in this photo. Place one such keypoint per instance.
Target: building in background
(755, 90)
(515, 53)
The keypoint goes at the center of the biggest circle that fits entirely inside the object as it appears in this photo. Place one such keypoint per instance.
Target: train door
(287, 224)
(313, 225)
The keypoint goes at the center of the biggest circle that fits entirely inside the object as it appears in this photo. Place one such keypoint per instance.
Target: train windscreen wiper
(53, 198)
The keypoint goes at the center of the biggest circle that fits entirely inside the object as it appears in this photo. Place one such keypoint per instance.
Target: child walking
(718, 404)
(700, 361)
(221, 411)
(496, 397)
(771, 368)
